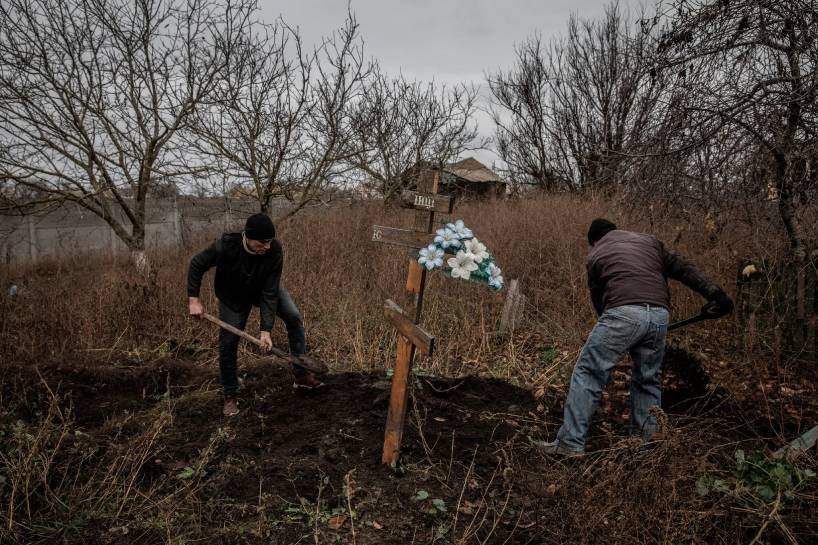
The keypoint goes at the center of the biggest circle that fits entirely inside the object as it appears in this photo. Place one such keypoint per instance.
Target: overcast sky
(445, 40)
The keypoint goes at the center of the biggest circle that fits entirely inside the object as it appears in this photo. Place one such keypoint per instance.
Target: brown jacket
(627, 268)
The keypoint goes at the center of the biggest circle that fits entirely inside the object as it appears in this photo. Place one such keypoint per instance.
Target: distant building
(470, 178)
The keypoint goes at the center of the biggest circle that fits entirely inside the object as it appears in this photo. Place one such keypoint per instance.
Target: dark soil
(290, 468)
(295, 453)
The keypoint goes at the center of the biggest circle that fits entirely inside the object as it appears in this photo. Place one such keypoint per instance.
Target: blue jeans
(291, 317)
(229, 342)
(636, 329)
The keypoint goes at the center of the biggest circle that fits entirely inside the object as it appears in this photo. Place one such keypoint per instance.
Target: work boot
(308, 361)
(307, 382)
(231, 406)
(554, 448)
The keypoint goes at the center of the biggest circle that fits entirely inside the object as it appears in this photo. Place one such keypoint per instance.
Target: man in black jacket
(248, 271)
(627, 278)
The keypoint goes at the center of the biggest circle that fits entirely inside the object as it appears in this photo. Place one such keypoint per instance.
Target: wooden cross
(412, 337)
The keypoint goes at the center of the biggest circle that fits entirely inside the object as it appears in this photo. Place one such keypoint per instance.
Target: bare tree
(279, 115)
(520, 102)
(399, 124)
(749, 67)
(93, 95)
(569, 114)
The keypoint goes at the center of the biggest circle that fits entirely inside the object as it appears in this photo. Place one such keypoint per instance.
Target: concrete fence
(72, 229)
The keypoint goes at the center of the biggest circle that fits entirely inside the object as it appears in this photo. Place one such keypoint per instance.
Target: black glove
(719, 305)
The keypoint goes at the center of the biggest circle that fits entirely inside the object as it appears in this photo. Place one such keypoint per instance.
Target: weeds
(761, 485)
(433, 506)
(758, 479)
(163, 467)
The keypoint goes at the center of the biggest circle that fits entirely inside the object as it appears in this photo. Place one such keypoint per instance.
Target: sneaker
(547, 447)
(231, 406)
(307, 382)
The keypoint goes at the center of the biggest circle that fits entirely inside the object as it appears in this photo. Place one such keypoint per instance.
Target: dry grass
(96, 306)
(339, 279)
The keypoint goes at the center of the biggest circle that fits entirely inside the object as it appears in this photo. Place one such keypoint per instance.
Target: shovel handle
(236, 331)
(692, 320)
(306, 363)
(708, 313)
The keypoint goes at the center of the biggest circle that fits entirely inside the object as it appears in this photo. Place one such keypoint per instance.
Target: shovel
(708, 313)
(308, 363)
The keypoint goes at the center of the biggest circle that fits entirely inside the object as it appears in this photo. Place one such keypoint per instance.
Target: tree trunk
(141, 262)
(798, 246)
(139, 258)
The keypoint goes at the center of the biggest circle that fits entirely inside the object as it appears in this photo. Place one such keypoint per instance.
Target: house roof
(472, 170)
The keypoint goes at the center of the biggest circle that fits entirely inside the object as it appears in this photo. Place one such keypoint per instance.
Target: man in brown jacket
(627, 277)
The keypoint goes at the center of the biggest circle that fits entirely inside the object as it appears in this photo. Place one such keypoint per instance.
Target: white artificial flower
(446, 238)
(496, 283)
(431, 257)
(462, 265)
(459, 228)
(477, 249)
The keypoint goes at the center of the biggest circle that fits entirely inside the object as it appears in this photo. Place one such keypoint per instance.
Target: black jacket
(242, 279)
(627, 268)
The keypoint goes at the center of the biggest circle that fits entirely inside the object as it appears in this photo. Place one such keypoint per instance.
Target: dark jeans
(229, 342)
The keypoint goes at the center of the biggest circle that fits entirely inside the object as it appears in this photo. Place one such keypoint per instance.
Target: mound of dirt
(304, 456)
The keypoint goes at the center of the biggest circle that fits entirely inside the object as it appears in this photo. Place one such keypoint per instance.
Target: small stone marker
(512, 309)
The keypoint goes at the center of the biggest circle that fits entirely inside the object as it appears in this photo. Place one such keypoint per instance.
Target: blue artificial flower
(495, 276)
(446, 238)
(459, 228)
(431, 257)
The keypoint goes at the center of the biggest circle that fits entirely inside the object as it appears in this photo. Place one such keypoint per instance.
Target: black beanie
(259, 227)
(599, 228)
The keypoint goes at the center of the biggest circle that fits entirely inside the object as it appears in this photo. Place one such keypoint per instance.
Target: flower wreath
(470, 262)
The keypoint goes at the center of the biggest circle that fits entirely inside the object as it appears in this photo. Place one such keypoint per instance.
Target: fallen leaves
(337, 522)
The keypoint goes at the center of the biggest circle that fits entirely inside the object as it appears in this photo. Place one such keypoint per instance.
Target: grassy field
(111, 432)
